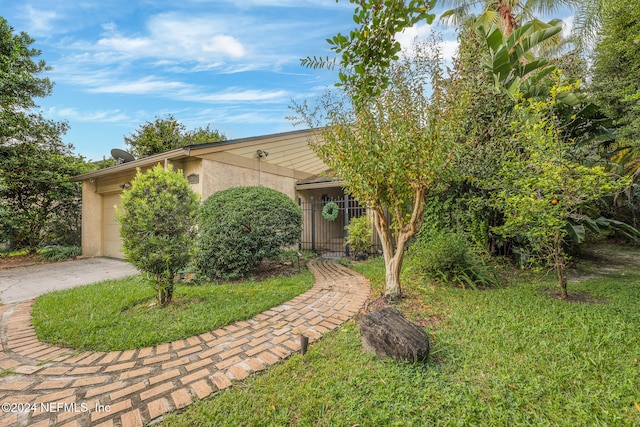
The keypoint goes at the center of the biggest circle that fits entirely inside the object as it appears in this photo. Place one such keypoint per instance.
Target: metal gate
(329, 237)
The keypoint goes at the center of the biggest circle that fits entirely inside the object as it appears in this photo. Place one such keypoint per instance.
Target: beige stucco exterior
(211, 167)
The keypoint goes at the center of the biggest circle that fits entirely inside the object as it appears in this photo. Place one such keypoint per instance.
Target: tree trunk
(393, 259)
(392, 289)
(560, 264)
(165, 293)
(508, 19)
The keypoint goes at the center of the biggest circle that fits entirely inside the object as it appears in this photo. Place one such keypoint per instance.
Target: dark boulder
(386, 333)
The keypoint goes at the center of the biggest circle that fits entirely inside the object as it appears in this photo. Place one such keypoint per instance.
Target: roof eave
(178, 153)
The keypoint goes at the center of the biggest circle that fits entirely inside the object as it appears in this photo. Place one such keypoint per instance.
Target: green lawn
(120, 314)
(500, 357)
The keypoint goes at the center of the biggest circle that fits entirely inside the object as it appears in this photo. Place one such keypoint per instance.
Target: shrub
(241, 226)
(359, 234)
(446, 256)
(158, 227)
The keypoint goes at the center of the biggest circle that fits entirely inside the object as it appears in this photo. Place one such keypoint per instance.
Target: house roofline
(250, 139)
(181, 153)
(178, 153)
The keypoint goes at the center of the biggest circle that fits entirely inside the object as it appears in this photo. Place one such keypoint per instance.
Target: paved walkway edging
(54, 386)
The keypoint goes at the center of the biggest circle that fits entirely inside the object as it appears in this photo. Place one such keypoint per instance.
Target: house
(281, 161)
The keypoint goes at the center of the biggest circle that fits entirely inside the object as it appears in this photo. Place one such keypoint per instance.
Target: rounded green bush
(242, 226)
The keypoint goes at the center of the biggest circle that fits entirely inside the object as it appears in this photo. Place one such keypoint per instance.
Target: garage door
(111, 241)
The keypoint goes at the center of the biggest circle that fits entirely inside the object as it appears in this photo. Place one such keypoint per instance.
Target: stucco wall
(218, 176)
(99, 236)
(212, 176)
(91, 220)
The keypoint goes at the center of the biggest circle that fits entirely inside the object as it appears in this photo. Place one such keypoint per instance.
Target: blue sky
(233, 64)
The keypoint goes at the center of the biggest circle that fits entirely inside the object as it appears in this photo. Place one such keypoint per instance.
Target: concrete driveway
(24, 283)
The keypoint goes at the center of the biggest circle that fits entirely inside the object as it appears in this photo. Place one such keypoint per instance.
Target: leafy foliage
(510, 62)
(616, 62)
(242, 226)
(447, 257)
(59, 253)
(165, 134)
(368, 51)
(158, 226)
(394, 148)
(19, 81)
(39, 204)
(540, 186)
(359, 234)
(508, 15)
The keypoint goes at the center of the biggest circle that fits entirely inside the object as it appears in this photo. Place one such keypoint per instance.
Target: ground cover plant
(122, 314)
(23, 258)
(511, 355)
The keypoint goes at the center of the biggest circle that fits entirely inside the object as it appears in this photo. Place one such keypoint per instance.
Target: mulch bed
(18, 261)
(580, 297)
(267, 269)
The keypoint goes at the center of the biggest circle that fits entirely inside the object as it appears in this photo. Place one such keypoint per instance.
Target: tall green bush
(359, 234)
(158, 226)
(242, 226)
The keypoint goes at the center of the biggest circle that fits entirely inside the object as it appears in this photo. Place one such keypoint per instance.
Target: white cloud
(224, 44)
(144, 86)
(419, 33)
(244, 4)
(39, 21)
(242, 95)
(567, 26)
(126, 45)
(176, 90)
(176, 36)
(108, 116)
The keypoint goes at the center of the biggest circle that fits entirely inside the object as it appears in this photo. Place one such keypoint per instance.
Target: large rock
(386, 333)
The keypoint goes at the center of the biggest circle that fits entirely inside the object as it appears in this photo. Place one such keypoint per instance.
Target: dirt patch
(268, 269)
(578, 297)
(422, 321)
(600, 260)
(373, 305)
(18, 261)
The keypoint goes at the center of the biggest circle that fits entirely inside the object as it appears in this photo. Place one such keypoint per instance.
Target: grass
(121, 315)
(506, 356)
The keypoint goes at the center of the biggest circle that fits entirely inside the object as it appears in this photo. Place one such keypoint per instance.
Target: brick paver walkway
(54, 386)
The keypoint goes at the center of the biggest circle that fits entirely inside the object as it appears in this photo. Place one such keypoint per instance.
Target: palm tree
(586, 24)
(507, 14)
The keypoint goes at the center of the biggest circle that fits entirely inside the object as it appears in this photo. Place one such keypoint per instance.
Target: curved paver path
(129, 388)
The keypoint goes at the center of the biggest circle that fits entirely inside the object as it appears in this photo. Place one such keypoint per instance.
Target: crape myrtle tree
(38, 203)
(390, 137)
(158, 227)
(394, 147)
